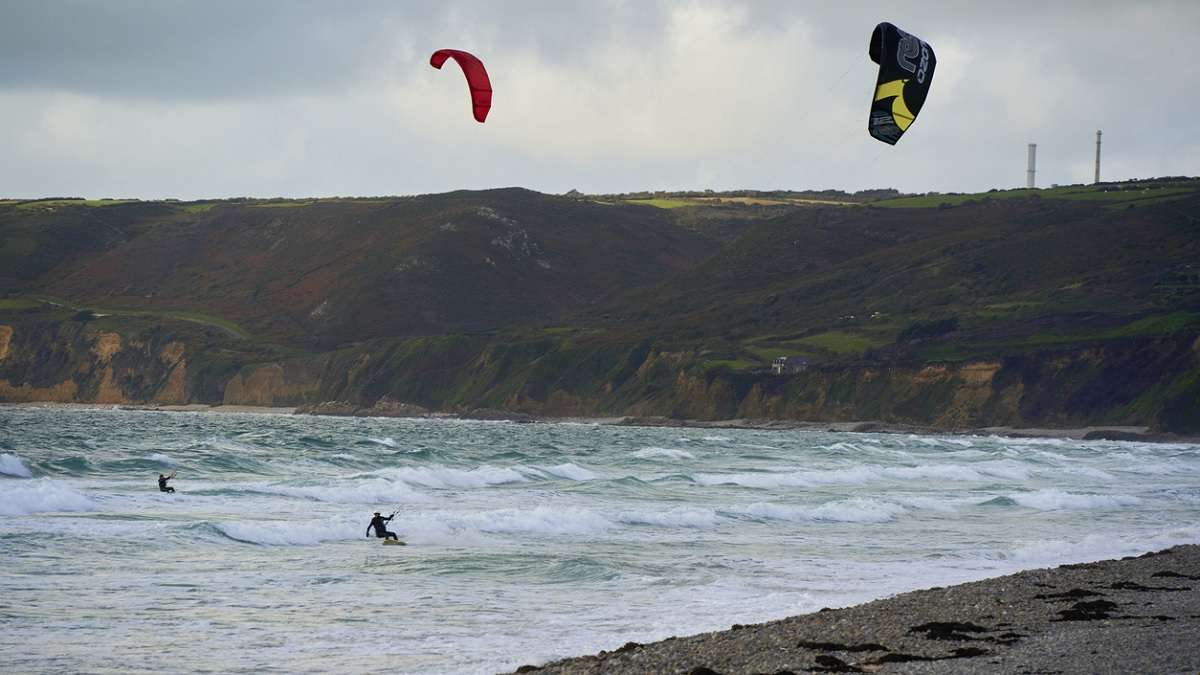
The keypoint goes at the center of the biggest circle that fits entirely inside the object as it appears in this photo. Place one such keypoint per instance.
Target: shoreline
(1136, 614)
(1098, 432)
(150, 407)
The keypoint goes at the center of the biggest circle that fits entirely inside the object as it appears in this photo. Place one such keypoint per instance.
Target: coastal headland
(1064, 308)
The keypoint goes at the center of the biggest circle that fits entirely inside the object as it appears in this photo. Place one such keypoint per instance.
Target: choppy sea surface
(526, 542)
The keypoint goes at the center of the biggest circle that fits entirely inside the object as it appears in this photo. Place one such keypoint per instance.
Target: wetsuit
(162, 484)
(380, 529)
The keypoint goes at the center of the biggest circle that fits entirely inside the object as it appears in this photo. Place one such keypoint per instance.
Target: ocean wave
(1154, 467)
(1097, 547)
(439, 476)
(289, 533)
(759, 446)
(225, 444)
(1088, 471)
(387, 441)
(569, 471)
(541, 520)
(941, 442)
(1057, 500)
(869, 473)
(668, 453)
(674, 517)
(11, 465)
(855, 510)
(769, 480)
(161, 459)
(1009, 442)
(43, 495)
(930, 503)
(369, 491)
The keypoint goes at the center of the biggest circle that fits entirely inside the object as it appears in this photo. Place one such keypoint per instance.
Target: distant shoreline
(1115, 616)
(1089, 433)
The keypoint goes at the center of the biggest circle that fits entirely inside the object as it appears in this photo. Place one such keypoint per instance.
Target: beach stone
(1114, 616)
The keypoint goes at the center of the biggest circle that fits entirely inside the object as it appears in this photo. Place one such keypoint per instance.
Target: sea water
(526, 542)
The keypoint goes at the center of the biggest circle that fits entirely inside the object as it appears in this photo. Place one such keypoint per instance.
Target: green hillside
(650, 303)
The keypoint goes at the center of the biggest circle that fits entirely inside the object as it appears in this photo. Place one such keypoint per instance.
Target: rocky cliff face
(1151, 382)
(73, 362)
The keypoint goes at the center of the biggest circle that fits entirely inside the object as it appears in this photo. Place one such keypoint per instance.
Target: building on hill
(789, 365)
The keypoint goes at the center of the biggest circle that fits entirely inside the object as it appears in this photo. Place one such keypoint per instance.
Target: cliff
(1066, 307)
(1136, 382)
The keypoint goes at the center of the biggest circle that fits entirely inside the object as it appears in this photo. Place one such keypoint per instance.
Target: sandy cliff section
(6, 333)
(274, 384)
(71, 362)
(63, 392)
(174, 390)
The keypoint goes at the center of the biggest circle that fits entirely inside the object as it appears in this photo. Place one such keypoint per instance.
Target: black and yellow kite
(905, 72)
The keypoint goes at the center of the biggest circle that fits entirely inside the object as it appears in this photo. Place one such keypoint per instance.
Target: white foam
(759, 446)
(945, 472)
(674, 517)
(1003, 468)
(1088, 471)
(939, 442)
(716, 439)
(161, 459)
(1098, 547)
(539, 520)
(843, 447)
(569, 471)
(438, 476)
(369, 491)
(227, 444)
(868, 473)
(668, 453)
(855, 510)
(1024, 442)
(291, 533)
(43, 495)
(930, 503)
(388, 441)
(11, 465)
(1057, 500)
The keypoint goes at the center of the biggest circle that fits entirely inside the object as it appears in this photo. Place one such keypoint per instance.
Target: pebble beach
(1134, 615)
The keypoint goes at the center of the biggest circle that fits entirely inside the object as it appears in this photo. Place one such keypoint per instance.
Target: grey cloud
(171, 49)
(281, 97)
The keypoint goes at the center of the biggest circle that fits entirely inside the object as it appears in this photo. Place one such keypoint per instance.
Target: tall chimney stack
(1098, 155)
(1031, 169)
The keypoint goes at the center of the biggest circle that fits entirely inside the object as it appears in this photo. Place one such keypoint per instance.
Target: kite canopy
(905, 72)
(477, 78)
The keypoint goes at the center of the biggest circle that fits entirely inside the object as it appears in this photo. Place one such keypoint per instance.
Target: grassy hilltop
(671, 304)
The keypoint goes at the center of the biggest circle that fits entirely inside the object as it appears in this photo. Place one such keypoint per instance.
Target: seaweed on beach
(1088, 611)
(1134, 586)
(837, 647)
(1175, 575)
(1073, 594)
(832, 664)
(948, 630)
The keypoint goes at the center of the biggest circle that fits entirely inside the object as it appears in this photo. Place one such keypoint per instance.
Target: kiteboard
(393, 542)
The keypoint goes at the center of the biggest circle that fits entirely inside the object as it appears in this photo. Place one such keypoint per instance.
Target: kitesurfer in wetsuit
(162, 483)
(380, 529)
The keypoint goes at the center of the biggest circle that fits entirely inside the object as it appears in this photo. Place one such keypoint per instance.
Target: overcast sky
(216, 98)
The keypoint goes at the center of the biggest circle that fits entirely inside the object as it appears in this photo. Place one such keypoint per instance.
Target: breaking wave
(43, 495)
(11, 465)
(1057, 500)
